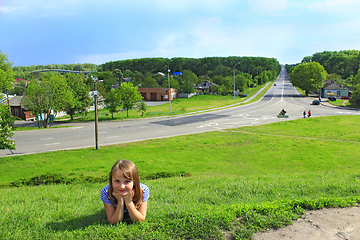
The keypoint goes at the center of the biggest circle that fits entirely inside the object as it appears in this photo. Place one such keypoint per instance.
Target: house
(18, 109)
(157, 94)
(331, 88)
(205, 86)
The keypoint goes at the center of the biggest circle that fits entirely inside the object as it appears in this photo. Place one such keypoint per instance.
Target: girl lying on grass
(125, 196)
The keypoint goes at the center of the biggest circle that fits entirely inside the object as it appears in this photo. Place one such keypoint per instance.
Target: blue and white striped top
(106, 200)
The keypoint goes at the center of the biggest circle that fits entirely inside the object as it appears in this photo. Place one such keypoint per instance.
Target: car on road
(274, 84)
(315, 102)
(345, 97)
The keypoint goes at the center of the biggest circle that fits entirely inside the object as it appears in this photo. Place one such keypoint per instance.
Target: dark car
(315, 102)
(274, 84)
(345, 97)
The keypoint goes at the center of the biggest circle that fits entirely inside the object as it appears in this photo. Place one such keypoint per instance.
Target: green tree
(356, 79)
(49, 95)
(308, 76)
(142, 107)
(7, 128)
(6, 74)
(188, 81)
(128, 73)
(240, 82)
(113, 101)
(137, 78)
(129, 96)
(118, 75)
(80, 92)
(334, 77)
(173, 83)
(222, 89)
(355, 96)
(108, 80)
(149, 81)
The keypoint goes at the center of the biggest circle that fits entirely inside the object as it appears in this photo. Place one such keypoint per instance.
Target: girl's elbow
(142, 219)
(114, 222)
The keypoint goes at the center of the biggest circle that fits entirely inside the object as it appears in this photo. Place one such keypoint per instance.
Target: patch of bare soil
(328, 223)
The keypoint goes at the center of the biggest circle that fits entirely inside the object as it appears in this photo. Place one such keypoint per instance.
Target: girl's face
(120, 183)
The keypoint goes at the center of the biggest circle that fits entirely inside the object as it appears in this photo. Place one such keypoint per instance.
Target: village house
(18, 109)
(331, 88)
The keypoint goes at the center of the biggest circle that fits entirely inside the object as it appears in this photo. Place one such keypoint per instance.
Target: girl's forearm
(118, 215)
(135, 215)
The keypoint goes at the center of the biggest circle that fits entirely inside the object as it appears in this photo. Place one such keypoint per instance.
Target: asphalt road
(281, 96)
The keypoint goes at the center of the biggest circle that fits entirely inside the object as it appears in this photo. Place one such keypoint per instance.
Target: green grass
(242, 180)
(35, 128)
(343, 103)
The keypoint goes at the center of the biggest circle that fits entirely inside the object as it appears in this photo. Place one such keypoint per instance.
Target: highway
(281, 96)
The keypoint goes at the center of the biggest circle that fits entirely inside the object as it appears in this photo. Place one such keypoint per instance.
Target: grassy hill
(228, 183)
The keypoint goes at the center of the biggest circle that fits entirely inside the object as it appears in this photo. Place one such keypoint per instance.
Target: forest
(199, 66)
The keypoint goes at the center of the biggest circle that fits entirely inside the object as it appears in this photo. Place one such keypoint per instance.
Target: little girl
(125, 195)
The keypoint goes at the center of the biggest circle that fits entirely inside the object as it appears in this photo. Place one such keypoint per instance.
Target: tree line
(24, 72)
(199, 66)
(341, 67)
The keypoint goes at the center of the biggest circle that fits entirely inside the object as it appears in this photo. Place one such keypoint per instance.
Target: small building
(18, 109)
(333, 88)
(205, 86)
(158, 94)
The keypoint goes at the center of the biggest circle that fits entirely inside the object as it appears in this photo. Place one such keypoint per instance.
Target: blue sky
(34, 32)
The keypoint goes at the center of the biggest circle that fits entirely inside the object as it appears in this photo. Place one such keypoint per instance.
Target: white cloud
(336, 6)
(268, 7)
(9, 9)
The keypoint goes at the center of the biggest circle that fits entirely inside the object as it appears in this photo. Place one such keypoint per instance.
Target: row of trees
(343, 63)
(341, 67)
(199, 66)
(24, 72)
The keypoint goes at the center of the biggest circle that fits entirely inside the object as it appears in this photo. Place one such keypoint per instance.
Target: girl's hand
(118, 195)
(129, 196)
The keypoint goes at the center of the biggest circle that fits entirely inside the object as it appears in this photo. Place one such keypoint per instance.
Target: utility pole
(234, 80)
(169, 92)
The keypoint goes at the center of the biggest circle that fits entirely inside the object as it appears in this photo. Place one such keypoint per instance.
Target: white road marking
(209, 125)
(113, 137)
(46, 138)
(48, 144)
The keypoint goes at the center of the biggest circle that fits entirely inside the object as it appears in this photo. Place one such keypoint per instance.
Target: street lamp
(249, 78)
(234, 79)
(169, 92)
(96, 112)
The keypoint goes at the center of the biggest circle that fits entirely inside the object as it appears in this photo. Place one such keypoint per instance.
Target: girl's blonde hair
(131, 173)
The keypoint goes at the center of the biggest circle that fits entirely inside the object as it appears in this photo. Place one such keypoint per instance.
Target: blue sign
(177, 73)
